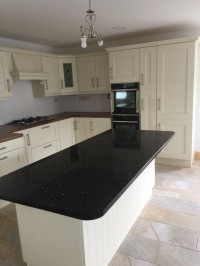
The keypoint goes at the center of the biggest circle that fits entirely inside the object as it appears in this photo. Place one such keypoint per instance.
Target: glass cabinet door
(68, 75)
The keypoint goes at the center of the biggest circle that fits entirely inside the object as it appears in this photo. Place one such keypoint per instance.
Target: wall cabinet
(93, 74)
(5, 78)
(51, 85)
(85, 128)
(66, 130)
(68, 76)
(124, 66)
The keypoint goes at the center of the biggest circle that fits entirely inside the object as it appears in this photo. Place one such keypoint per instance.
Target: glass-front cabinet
(68, 75)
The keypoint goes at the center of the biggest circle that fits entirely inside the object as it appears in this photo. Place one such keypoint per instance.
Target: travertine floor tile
(7, 224)
(167, 233)
(122, 260)
(176, 205)
(139, 247)
(170, 255)
(6, 249)
(14, 260)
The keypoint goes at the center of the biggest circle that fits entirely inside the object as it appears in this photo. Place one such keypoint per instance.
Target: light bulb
(100, 42)
(83, 42)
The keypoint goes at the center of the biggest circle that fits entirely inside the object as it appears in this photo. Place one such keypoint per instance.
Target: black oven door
(125, 134)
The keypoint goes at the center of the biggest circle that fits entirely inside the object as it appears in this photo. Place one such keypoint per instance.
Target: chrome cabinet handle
(6, 157)
(158, 103)
(8, 84)
(28, 139)
(46, 81)
(97, 82)
(47, 146)
(111, 74)
(45, 127)
(142, 79)
(75, 125)
(62, 84)
(93, 82)
(91, 126)
(142, 104)
(3, 148)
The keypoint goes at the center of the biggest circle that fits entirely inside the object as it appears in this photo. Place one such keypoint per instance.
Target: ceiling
(57, 23)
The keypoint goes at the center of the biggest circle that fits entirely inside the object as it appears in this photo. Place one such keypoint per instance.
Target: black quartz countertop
(85, 180)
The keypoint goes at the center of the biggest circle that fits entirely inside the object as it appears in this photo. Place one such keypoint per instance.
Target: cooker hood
(27, 67)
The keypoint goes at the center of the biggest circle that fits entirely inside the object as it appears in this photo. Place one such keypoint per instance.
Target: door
(50, 65)
(86, 74)
(148, 68)
(102, 73)
(81, 129)
(124, 66)
(67, 138)
(68, 75)
(175, 80)
(99, 125)
(148, 109)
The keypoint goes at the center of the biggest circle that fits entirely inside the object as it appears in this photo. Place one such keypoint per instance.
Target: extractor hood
(27, 67)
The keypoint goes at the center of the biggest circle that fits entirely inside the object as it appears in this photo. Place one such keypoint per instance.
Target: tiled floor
(167, 233)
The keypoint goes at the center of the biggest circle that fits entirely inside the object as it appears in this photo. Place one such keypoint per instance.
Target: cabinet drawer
(43, 134)
(9, 162)
(11, 145)
(45, 150)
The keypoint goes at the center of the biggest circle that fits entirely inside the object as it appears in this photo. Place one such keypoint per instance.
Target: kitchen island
(75, 207)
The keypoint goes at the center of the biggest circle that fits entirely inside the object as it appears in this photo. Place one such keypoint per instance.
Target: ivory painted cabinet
(175, 97)
(84, 128)
(50, 86)
(66, 131)
(12, 155)
(68, 75)
(41, 141)
(124, 66)
(148, 73)
(93, 74)
(5, 78)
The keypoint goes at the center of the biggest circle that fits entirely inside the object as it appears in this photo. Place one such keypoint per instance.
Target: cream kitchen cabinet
(12, 155)
(41, 141)
(5, 77)
(51, 85)
(175, 97)
(68, 75)
(148, 71)
(93, 74)
(124, 66)
(85, 128)
(66, 130)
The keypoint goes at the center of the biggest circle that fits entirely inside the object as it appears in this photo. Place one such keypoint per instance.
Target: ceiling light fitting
(90, 33)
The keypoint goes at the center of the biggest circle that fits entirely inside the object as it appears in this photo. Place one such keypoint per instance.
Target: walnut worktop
(7, 132)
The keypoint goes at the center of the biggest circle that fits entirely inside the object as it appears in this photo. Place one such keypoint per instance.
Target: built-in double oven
(125, 107)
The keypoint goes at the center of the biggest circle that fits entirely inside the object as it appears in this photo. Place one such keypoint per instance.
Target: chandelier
(89, 32)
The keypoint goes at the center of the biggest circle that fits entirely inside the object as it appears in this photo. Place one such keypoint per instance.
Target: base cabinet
(84, 128)
(66, 130)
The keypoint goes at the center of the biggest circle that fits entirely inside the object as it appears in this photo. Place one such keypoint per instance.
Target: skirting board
(56, 240)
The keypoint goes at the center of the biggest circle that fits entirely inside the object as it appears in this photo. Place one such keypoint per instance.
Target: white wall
(86, 103)
(23, 104)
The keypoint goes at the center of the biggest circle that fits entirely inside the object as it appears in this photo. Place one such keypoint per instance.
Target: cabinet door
(45, 150)
(86, 74)
(148, 109)
(50, 65)
(102, 73)
(124, 66)
(148, 68)
(68, 75)
(81, 129)
(5, 77)
(180, 146)
(12, 161)
(43, 134)
(66, 129)
(99, 125)
(175, 80)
